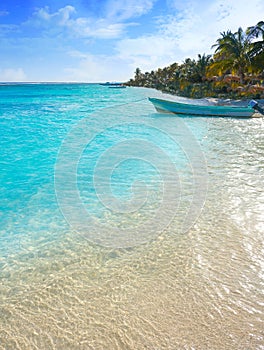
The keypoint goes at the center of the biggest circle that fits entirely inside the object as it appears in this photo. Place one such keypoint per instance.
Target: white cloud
(231, 14)
(98, 68)
(100, 28)
(82, 27)
(126, 9)
(191, 30)
(12, 75)
(147, 52)
(60, 17)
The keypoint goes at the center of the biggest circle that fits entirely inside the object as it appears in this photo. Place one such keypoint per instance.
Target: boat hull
(197, 110)
(114, 85)
(117, 87)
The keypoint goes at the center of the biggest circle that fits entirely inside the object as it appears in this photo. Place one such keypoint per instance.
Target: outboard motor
(254, 104)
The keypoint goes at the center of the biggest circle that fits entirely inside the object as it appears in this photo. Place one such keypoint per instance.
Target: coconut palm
(254, 33)
(257, 50)
(137, 72)
(201, 66)
(232, 53)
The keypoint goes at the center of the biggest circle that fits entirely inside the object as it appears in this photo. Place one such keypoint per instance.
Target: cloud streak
(12, 75)
(127, 9)
(95, 68)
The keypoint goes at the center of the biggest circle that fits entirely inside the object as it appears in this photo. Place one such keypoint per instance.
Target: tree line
(236, 69)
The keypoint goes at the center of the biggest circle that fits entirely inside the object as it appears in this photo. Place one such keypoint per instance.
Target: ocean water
(123, 228)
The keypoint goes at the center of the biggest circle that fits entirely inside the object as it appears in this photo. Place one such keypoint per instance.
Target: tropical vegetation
(236, 69)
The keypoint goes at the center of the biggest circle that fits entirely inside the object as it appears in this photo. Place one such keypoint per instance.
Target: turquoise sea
(123, 228)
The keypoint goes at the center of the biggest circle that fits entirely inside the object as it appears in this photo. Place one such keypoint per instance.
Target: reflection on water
(197, 290)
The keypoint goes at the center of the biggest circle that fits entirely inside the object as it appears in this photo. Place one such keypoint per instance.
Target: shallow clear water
(122, 228)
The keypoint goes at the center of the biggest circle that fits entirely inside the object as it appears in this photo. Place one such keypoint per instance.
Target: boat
(107, 83)
(113, 85)
(117, 86)
(202, 110)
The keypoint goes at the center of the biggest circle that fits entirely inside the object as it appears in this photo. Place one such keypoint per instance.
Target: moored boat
(201, 110)
(113, 85)
(117, 86)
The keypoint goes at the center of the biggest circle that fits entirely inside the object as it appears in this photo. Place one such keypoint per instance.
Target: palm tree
(232, 53)
(139, 77)
(257, 51)
(137, 72)
(254, 33)
(201, 67)
(187, 70)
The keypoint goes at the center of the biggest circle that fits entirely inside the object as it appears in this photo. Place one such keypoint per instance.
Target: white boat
(201, 110)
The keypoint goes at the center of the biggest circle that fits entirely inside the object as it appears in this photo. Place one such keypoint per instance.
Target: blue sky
(106, 40)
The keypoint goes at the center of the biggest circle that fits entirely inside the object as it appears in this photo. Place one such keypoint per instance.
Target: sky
(106, 40)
